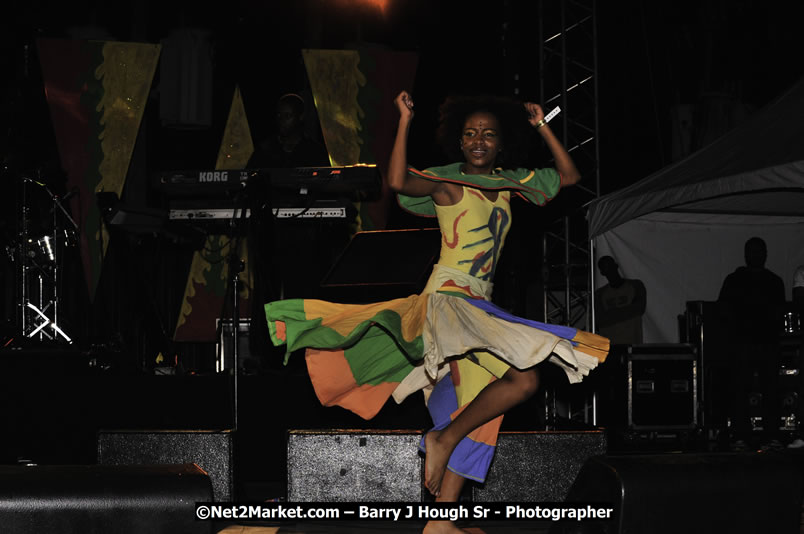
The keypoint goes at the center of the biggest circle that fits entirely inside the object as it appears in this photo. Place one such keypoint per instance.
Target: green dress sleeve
(537, 186)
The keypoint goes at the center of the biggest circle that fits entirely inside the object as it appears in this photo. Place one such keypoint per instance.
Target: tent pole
(591, 314)
(544, 278)
(567, 276)
(592, 288)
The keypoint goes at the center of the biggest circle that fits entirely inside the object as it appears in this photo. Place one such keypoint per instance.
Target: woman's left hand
(535, 113)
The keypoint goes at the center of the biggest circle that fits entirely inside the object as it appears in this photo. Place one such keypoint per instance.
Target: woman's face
(480, 142)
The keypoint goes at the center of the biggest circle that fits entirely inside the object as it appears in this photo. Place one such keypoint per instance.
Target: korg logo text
(213, 176)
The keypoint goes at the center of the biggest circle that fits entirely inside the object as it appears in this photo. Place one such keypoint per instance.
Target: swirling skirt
(446, 341)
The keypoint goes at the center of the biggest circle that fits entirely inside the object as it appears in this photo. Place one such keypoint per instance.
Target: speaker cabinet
(738, 493)
(211, 450)
(354, 466)
(85, 499)
(537, 466)
(385, 465)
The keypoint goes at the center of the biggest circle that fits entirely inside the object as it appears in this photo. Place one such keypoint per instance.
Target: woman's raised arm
(564, 164)
(398, 178)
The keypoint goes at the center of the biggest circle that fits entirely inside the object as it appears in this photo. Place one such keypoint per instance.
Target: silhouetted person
(752, 297)
(751, 302)
(619, 305)
(303, 249)
(289, 255)
(289, 146)
(797, 316)
(798, 287)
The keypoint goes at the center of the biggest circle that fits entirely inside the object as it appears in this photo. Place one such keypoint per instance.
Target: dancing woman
(473, 360)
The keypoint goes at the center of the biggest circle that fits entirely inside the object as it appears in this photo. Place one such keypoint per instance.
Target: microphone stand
(236, 266)
(23, 257)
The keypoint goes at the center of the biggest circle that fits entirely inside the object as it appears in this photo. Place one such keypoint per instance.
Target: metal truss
(38, 260)
(568, 79)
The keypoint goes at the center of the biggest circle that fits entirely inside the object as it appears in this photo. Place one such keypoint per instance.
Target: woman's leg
(451, 486)
(512, 388)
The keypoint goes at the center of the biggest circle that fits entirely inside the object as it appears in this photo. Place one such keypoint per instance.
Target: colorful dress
(449, 341)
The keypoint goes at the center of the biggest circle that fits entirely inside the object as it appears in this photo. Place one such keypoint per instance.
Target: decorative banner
(354, 92)
(236, 146)
(205, 292)
(336, 80)
(97, 91)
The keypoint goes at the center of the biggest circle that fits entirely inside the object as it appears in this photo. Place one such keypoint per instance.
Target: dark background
(652, 57)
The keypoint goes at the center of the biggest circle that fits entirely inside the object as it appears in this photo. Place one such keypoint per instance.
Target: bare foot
(435, 461)
(443, 527)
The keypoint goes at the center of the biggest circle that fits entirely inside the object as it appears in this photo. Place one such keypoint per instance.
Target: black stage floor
(356, 527)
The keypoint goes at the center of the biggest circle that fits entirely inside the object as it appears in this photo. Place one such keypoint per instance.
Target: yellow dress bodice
(473, 232)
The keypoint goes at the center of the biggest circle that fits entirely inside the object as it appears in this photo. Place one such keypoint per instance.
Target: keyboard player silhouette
(289, 145)
(300, 251)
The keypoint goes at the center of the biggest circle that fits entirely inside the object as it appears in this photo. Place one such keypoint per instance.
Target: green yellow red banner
(97, 92)
(205, 294)
(354, 92)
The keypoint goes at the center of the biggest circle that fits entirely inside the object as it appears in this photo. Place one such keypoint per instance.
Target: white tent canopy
(682, 229)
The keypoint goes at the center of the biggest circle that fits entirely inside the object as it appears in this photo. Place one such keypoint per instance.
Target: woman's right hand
(404, 104)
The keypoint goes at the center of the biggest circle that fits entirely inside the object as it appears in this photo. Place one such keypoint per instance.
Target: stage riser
(210, 450)
(736, 493)
(94, 499)
(358, 466)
